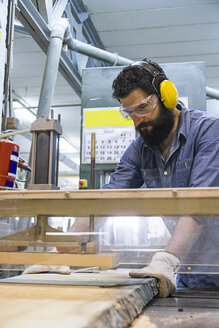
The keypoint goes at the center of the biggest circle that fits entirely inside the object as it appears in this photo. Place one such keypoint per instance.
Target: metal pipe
(212, 93)
(8, 67)
(51, 67)
(100, 54)
(94, 52)
(114, 59)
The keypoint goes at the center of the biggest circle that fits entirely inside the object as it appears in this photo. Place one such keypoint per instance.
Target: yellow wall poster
(113, 134)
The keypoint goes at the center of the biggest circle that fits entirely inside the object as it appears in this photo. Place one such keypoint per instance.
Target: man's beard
(159, 129)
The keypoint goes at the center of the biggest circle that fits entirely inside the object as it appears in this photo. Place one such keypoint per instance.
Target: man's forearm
(185, 234)
(81, 224)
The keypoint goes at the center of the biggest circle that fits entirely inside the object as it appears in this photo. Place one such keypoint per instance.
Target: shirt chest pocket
(151, 178)
(182, 173)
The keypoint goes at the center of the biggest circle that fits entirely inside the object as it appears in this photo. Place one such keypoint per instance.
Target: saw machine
(97, 296)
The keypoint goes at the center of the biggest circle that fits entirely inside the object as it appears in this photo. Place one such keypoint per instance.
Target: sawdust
(143, 322)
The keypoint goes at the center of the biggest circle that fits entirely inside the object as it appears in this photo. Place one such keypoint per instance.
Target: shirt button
(165, 173)
(189, 268)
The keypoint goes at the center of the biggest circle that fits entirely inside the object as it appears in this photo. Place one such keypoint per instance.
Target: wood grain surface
(180, 201)
(47, 306)
(102, 260)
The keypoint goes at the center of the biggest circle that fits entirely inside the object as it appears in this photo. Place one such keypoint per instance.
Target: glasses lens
(145, 106)
(125, 114)
(152, 102)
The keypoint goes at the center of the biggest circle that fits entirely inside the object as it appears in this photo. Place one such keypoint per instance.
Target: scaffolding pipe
(100, 54)
(94, 52)
(110, 58)
(60, 34)
(51, 67)
(212, 93)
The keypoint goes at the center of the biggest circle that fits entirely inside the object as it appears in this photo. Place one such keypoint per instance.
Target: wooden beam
(102, 260)
(76, 247)
(117, 202)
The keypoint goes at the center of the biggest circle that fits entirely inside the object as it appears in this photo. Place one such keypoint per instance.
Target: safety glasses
(140, 109)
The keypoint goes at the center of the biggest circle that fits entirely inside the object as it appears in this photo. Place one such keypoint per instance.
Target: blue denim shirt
(193, 161)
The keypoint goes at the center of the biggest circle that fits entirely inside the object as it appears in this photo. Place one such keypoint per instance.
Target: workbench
(66, 301)
(101, 300)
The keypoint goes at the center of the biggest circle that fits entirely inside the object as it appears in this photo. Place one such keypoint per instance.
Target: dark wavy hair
(136, 76)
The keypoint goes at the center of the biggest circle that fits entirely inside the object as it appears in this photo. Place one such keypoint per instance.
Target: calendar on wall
(113, 134)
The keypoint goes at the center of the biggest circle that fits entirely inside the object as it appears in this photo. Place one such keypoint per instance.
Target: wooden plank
(76, 247)
(165, 193)
(118, 202)
(102, 260)
(24, 306)
(112, 278)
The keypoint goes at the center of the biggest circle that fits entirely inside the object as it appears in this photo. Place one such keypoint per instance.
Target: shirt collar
(184, 124)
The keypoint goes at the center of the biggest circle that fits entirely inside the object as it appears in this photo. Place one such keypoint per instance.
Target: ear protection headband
(166, 90)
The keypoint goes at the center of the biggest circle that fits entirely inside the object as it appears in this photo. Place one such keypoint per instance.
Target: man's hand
(163, 266)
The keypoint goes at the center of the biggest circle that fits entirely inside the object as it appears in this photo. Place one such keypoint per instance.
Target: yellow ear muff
(169, 94)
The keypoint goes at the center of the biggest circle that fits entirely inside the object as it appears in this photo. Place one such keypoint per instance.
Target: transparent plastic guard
(135, 239)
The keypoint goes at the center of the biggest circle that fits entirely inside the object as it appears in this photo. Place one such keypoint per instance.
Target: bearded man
(175, 147)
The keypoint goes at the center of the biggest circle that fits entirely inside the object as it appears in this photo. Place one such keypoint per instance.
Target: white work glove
(62, 269)
(163, 266)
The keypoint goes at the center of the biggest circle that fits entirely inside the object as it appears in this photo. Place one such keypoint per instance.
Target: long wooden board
(47, 306)
(190, 201)
(102, 260)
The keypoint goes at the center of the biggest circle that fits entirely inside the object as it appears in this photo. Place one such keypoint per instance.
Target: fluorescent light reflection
(135, 231)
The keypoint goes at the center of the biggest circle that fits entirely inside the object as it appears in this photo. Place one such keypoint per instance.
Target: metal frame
(40, 32)
(38, 28)
(88, 27)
